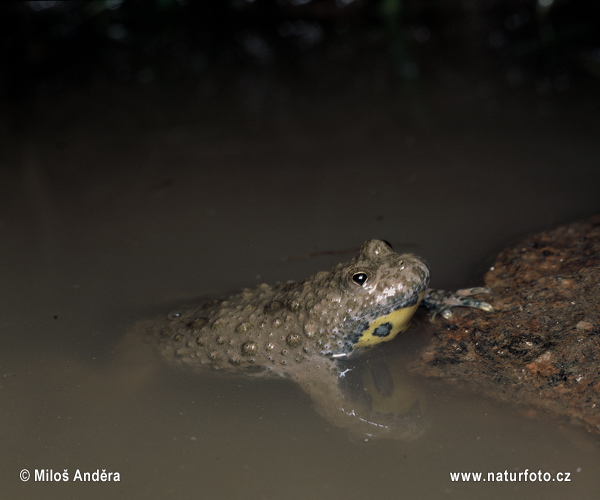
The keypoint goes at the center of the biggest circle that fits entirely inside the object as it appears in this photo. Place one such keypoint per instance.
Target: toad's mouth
(383, 325)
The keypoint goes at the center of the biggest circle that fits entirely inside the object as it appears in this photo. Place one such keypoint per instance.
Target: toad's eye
(360, 276)
(388, 244)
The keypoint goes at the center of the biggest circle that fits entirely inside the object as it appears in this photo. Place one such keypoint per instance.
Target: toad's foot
(440, 301)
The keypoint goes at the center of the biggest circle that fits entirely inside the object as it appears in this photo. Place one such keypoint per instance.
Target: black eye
(360, 277)
(388, 244)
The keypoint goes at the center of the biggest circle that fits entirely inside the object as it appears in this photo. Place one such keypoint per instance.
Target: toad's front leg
(440, 301)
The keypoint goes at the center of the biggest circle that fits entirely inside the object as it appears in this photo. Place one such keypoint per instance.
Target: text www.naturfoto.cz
(505, 476)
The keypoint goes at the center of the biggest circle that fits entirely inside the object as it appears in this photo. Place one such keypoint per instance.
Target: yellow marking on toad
(399, 320)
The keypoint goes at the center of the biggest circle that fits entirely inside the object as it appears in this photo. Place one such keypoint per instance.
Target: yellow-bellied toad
(290, 326)
(307, 331)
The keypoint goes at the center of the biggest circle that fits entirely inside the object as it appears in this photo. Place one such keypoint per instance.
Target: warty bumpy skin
(294, 328)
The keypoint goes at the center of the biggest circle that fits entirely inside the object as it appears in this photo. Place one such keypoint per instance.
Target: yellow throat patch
(386, 327)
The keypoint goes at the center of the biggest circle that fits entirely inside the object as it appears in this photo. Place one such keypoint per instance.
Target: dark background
(314, 46)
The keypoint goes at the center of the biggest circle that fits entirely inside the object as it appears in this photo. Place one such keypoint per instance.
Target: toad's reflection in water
(372, 398)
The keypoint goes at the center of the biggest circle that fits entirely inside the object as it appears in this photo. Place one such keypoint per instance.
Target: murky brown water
(119, 203)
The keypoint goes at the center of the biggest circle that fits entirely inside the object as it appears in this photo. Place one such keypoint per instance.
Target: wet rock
(542, 345)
